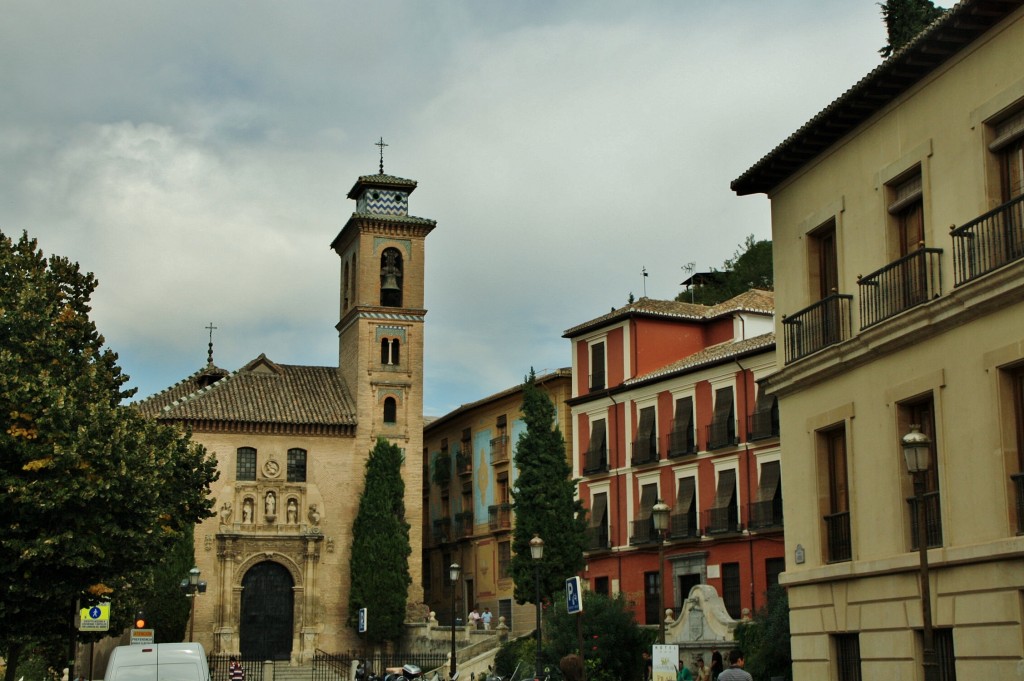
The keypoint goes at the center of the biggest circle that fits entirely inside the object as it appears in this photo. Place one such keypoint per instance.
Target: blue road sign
(573, 596)
(362, 620)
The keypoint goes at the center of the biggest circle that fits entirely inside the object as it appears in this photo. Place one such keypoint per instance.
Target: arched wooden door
(265, 629)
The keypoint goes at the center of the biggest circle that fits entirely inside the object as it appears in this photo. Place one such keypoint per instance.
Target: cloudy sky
(196, 157)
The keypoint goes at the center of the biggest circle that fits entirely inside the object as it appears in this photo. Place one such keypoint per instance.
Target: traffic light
(140, 620)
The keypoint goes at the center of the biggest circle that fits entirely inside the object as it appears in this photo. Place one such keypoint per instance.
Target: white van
(158, 662)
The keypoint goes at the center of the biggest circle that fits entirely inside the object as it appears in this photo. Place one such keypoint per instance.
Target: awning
(726, 492)
(685, 496)
(599, 510)
(770, 481)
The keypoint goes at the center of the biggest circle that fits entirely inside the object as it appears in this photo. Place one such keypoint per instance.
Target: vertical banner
(666, 662)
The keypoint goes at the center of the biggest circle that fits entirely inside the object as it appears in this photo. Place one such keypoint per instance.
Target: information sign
(573, 596)
(95, 618)
(143, 636)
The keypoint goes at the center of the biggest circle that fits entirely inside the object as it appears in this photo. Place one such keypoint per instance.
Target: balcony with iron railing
(988, 242)
(596, 460)
(499, 450)
(597, 380)
(722, 434)
(817, 326)
(681, 442)
(645, 451)
(464, 460)
(724, 520)
(932, 520)
(598, 538)
(837, 529)
(442, 529)
(499, 516)
(1018, 486)
(464, 524)
(642, 532)
(765, 515)
(763, 424)
(683, 526)
(908, 282)
(442, 473)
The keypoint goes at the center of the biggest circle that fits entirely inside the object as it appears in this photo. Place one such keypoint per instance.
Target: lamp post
(917, 453)
(453, 577)
(537, 553)
(191, 587)
(660, 513)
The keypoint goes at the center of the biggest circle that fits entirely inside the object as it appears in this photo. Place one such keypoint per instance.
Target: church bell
(390, 282)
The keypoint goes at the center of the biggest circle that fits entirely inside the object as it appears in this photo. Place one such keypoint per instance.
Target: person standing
(486, 618)
(735, 672)
(684, 673)
(474, 618)
(716, 664)
(703, 673)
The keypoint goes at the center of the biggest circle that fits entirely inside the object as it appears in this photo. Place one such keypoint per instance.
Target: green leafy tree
(613, 642)
(379, 562)
(544, 502)
(166, 607)
(750, 267)
(765, 639)
(904, 19)
(94, 494)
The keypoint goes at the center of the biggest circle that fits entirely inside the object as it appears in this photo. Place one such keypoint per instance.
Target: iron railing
(912, 280)
(596, 460)
(442, 527)
(598, 538)
(464, 524)
(642, 531)
(682, 441)
(253, 667)
(499, 449)
(684, 526)
(837, 527)
(722, 434)
(932, 520)
(597, 380)
(336, 666)
(763, 424)
(988, 242)
(464, 460)
(817, 326)
(722, 520)
(645, 451)
(765, 514)
(499, 516)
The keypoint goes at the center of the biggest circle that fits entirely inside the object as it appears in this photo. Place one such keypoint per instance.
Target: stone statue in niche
(225, 512)
(247, 511)
(270, 506)
(293, 512)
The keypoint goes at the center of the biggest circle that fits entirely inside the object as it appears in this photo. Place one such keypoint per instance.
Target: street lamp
(917, 452)
(453, 577)
(660, 513)
(537, 553)
(191, 587)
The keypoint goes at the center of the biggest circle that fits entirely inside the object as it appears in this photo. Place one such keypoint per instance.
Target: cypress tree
(544, 501)
(379, 562)
(904, 19)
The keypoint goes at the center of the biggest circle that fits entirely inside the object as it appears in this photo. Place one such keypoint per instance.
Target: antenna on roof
(209, 353)
(381, 144)
(644, 270)
(688, 268)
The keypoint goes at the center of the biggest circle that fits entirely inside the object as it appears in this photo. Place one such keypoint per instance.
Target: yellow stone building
(898, 228)
(292, 441)
(468, 475)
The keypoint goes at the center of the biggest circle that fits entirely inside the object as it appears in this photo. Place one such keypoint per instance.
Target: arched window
(389, 351)
(345, 294)
(390, 410)
(391, 278)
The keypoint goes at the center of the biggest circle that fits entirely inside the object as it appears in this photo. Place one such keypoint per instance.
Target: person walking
(486, 618)
(474, 618)
(235, 670)
(735, 672)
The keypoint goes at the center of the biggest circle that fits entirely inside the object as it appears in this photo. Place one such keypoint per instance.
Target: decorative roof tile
(710, 355)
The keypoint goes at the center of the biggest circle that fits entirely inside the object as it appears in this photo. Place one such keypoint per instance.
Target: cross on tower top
(209, 353)
(381, 144)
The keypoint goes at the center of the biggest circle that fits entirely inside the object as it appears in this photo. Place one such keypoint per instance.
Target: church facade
(292, 441)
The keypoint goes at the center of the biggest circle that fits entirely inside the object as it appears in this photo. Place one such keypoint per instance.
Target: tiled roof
(753, 300)
(154, 404)
(710, 355)
(540, 380)
(380, 180)
(383, 217)
(263, 392)
(947, 35)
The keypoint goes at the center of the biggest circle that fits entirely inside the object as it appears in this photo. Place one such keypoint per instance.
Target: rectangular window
(722, 431)
(944, 653)
(767, 510)
(643, 526)
(601, 586)
(597, 366)
(921, 412)
(596, 458)
(847, 655)
(824, 260)
(1008, 145)
(504, 560)
(682, 440)
(731, 589)
(597, 532)
(296, 465)
(245, 463)
(765, 422)
(504, 610)
(1016, 381)
(723, 516)
(652, 597)
(773, 567)
(645, 447)
(907, 208)
(684, 513)
(832, 444)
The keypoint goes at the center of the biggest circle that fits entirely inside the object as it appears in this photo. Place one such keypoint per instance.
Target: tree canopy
(544, 502)
(904, 19)
(379, 562)
(749, 267)
(93, 494)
